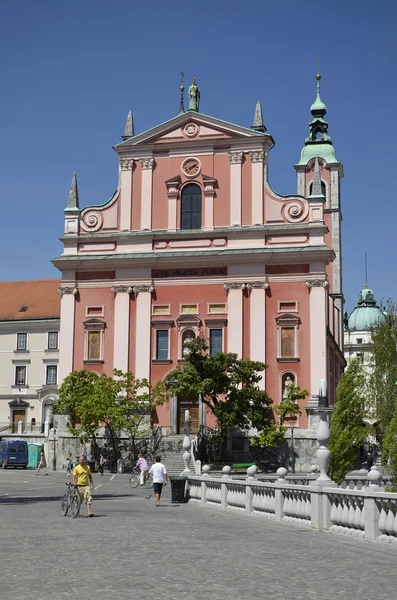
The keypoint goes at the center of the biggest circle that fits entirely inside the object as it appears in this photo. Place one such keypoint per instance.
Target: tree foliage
(347, 429)
(227, 385)
(120, 402)
(383, 377)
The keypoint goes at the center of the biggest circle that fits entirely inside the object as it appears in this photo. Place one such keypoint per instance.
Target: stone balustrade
(363, 511)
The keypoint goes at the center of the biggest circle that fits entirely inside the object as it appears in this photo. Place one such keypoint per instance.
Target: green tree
(383, 376)
(348, 432)
(120, 402)
(227, 385)
(389, 452)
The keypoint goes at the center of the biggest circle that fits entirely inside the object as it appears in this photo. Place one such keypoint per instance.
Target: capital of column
(147, 162)
(68, 290)
(234, 285)
(126, 164)
(257, 156)
(235, 157)
(317, 283)
(261, 285)
(137, 289)
(122, 289)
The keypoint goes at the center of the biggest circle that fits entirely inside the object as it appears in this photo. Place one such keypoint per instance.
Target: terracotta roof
(40, 298)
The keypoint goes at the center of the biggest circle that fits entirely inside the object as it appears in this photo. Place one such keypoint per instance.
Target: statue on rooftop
(194, 96)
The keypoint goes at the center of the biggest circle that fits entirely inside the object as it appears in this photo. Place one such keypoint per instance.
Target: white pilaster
(258, 324)
(318, 333)
(66, 338)
(143, 329)
(235, 158)
(126, 166)
(257, 186)
(235, 317)
(121, 326)
(146, 197)
(209, 194)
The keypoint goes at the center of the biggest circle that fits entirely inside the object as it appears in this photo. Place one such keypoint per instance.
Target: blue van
(14, 453)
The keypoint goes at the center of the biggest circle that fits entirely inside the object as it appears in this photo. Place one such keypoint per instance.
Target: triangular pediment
(191, 126)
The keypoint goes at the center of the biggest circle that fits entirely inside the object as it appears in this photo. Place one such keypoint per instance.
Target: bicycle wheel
(134, 480)
(65, 504)
(74, 505)
(148, 482)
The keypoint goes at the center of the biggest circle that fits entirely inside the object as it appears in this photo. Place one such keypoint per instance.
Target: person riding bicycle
(143, 466)
(83, 479)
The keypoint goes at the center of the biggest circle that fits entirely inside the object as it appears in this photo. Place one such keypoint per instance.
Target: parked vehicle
(14, 453)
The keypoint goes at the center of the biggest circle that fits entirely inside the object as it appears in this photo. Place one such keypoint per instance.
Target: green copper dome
(366, 314)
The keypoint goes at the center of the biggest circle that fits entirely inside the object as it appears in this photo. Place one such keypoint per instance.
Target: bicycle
(71, 500)
(135, 479)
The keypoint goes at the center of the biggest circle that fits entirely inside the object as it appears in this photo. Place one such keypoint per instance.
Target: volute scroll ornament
(257, 155)
(317, 283)
(126, 164)
(234, 285)
(68, 290)
(236, 157)
(122, 289)
(295, 211)
(92, 221)
(147, 162)
(143, 288)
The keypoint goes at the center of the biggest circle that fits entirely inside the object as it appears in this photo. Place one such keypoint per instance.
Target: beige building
(29, 354)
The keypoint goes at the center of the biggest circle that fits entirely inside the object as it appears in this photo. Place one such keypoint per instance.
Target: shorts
(157, 488)
(85, 494)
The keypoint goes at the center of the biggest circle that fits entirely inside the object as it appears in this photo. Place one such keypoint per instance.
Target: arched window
(191, 207)
(323, 189)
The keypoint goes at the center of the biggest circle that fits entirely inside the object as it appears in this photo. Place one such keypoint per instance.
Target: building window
(161, 309)
(288, 306)
(216, 341)
(53, 340)
(359, 340)
(51, 378)
(360, 357)
(20, 375)
(94, 311)
(323, 189)
(287, 342)
(162, 344)
(191, 207)
(219, 309)
(192, 309)
(94, 345)
(22, 341)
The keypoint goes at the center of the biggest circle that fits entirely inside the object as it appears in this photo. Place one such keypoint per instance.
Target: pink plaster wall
(222, 196)
(94, 297)
(293, 291)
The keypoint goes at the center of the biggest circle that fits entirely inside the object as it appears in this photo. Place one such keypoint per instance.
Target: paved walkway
(133, 550)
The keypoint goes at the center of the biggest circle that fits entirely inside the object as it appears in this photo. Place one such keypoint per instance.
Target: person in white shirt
(160, 478)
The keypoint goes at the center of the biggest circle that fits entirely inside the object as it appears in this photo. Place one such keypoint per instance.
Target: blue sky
(70, 72)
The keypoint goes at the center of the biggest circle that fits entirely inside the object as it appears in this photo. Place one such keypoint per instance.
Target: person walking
(143, 466)
(83, 479)
(42, 464)
(160, 478)
(101, 463)
(69, 465)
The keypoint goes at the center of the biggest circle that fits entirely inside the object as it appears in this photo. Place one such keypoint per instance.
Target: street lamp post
(171, 384)
(54, 458)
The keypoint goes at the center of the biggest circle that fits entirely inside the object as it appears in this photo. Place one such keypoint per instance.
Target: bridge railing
(369, 512)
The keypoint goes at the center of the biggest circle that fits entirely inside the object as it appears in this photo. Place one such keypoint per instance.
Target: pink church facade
(195, 242)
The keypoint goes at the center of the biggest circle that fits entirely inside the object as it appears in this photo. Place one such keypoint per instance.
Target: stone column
(257, 186)
(235, 317)
(318, 334)
(258, 324)
(236, 158)
(126, 166)
(67, 325)
(146, 196)
(121, 326)
(143, 330)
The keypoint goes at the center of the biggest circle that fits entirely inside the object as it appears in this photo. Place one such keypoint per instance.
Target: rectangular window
(22, 340)
(94, 345)
(162, 344)
(51, 378)
(215, 341)
(53, 340)
(20, 375)
(161, 309)
(359, 340)
(288, 342)
(216, 309)
(287, 307)
(94, 311)
(189, 308)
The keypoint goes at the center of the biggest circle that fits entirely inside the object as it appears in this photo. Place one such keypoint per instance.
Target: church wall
(222, 191)
(162, 171)
(136, 197)
(94, 297)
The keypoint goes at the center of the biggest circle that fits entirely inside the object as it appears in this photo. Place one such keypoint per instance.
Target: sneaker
(46, 473)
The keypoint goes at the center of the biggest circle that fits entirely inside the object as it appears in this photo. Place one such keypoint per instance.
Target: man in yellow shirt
(83, 478)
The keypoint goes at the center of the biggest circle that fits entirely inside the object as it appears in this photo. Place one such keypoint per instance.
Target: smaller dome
(318, 108)
(366, 314)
